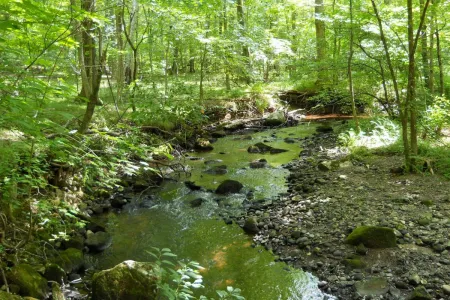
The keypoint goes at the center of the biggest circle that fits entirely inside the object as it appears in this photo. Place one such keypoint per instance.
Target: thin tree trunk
(424, 51)
(440, 64)
(431, 59)
(120, 47)
(245, 49)
(321, 43)
(349, 68)
(402, 108)
(411, 102)
(91, 80)
(202, 73)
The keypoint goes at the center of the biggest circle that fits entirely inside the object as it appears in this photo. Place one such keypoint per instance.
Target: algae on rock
(372, 237)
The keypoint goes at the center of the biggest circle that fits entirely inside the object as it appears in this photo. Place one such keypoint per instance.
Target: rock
(361, 249)
(259, 148)
(427, 202)
(217, 170)
(8, 296)
(118, 202)
(218, 134)
(253, 149)
(414, 279)
(71, 260)
(325, 166)
(324, 128)
(277, 150)
(191, 185)
(98, 241)
(213, 161)
(372, 287)
(289, 140)
(425, 219)
(251, 225)
(31, 283)
(257, 164)
(275, 119)
(372, 237)
(203, 145)
(197, 202)
(76, 242)
(419, 293)
(229, 187)
(355, 263)
(57, 293)
(446, 289)
(54, 272)
(128, 280)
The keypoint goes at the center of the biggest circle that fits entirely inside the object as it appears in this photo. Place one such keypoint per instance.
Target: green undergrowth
(382, 137)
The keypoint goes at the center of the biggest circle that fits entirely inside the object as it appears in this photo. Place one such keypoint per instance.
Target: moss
(372, 237)
(419, 293)
(128, 280)
(31, 283)
(355, 263)
(7, 296)
(70, 260)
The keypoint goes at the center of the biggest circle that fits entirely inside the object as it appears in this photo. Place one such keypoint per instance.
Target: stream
(164, 218)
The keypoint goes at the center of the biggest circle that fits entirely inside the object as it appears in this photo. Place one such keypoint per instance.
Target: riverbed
(165, 218)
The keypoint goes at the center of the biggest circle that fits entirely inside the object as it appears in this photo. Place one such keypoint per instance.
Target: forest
(316, 131)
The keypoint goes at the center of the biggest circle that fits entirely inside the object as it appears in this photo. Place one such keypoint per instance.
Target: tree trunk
(321, 43)
(440, 64)
(120, 61)
(349, 68)
(91, 64)
(431, 59)
(245, 50)
(411, 101)
(424, 51)
(402, 108)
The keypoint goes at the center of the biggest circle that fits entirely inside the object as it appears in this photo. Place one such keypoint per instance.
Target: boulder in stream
(203, 145)
(31, 283)
(128, 280)
(275, 119)
(259, 163)
(263, 148)
(229, 187)
(372, 237)
(98, 241)
(217, 170)
(251, 225)
(197, 202)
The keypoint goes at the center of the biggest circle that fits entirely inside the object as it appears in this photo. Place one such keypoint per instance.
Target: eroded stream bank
(304, 223)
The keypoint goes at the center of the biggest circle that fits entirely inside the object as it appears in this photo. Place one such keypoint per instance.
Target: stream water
(164, 218)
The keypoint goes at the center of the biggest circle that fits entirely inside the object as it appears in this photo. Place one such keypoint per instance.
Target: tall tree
(91, 62)
(321, 42)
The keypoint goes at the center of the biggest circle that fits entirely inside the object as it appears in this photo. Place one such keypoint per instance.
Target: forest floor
(307, 229)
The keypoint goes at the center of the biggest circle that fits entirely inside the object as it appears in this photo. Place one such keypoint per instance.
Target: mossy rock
(419, 293)
(129, 280)
(251, 225)
(229, 187)
(275, 119)
(99, 241)
(425, 219)
(31, 283)
(8, 296)
(372, 287)
(54, 272)
(70, 260)
(372, 237)
(355, 263)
